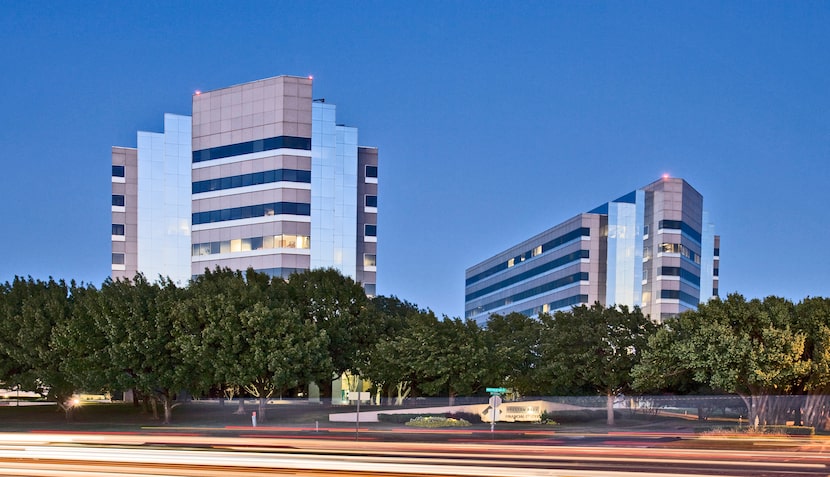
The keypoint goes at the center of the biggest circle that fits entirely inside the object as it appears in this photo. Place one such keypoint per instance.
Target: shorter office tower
(151, 204)
(654, 248)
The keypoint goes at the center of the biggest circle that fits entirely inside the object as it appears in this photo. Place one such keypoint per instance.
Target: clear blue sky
(495, 120)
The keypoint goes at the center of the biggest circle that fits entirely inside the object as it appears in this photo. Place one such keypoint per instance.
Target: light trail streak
(249, 456)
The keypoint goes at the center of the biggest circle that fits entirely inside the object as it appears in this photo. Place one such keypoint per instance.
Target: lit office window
(252, 243)
(369, 260)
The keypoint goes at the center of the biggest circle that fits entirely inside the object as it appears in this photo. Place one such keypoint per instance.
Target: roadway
(198, 454)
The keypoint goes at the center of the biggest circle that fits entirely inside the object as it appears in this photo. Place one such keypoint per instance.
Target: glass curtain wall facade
(334, 191)
(650, 248)
(625, 255)
(151, 204)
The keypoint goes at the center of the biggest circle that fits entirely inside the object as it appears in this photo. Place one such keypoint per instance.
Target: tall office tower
(151, 204)
(276, 183)
(654, 248)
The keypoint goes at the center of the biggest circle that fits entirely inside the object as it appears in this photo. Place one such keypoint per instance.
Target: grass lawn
(124, 417)
(114, 417)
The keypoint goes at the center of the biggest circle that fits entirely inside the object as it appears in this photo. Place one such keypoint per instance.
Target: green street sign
(496, 390)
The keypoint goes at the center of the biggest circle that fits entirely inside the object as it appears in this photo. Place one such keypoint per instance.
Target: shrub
(547, 418)
(436, 421)
(769, 431)
(791, 430)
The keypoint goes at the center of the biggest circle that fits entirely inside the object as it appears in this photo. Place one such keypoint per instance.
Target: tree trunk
(761, 405)
(609, 408)
(260, 415)
(66, 405)
(240, 408)
(750, 409)
(797, 421)
(389, 395)
(154, 407)
(816, 409)
(403, 391)
(168, 408)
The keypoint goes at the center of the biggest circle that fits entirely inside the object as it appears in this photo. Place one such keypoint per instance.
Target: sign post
(357, 396)
(495, 401)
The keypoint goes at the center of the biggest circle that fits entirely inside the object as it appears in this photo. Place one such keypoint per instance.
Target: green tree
(663, 367)
(337, 305)
(813, 316)
(138, 319)
(450, 356)
(215, 301)
(29, 313)
(384, 363)
(593, 349)
(514, 340)
(749, 348)
(253, 336)
(81, 343)
(277, 350)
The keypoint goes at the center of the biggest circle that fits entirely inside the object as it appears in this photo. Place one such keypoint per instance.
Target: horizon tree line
(232, 332)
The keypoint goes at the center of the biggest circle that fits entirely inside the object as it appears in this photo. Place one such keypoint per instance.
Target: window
(259, 145)
(252, 243)
(682, 226)
(546, 247)
(371, 201)
(369, 260)
(117, 171)
(370, 289)
(645, 230)
(250, 211)
(370, 230)
(684, 251)
(372, 171)
(118, 200)
(118, 259)
(118, 229)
